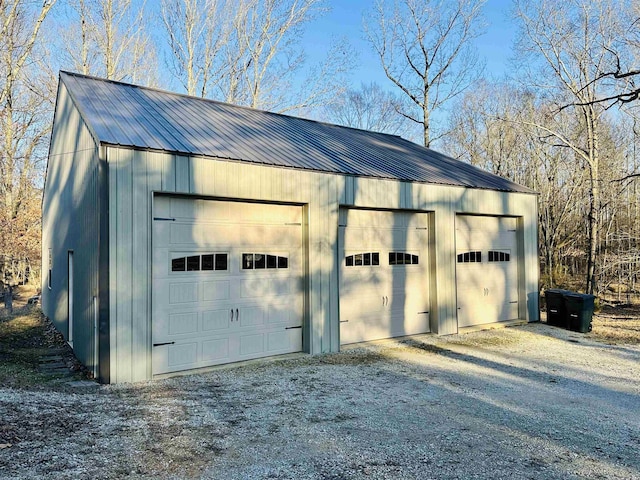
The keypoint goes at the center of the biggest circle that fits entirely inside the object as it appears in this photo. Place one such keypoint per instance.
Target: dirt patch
(617, 325)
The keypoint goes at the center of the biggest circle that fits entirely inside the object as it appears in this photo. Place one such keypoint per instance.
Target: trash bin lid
(582, 296)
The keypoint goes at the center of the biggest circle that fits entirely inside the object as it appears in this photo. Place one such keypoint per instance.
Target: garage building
(181, 233)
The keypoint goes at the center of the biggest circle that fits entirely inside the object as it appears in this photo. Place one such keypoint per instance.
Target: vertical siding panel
(443, 289)
(154, 183)
(208, 172)
(289, 187)
(112, 160)
(182, 174)
(193, 175)
(221, 179)
(154, 171)
(124, 258)
(233, 182)
(168, 172)
(276, 186)
(141, 228)
(333, 263)
(531, 258)
(315, 265)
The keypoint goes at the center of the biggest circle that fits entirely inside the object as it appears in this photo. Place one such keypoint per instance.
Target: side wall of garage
(70, 228)
(134, 176)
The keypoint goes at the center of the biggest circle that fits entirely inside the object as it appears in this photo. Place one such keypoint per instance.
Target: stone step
(53, 366)
(56, 351)
(62, 372)
(49, 359)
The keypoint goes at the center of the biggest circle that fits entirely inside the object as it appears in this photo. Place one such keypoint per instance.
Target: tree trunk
(425, 122)
(8, 298)
(594, 201)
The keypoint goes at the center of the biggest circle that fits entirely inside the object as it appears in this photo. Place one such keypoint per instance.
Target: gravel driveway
(525, 402)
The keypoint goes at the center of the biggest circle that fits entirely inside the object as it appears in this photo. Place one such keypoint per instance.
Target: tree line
(563, 121)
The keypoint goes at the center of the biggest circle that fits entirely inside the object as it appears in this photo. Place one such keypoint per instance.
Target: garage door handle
(291, 328)
(237, 315)
(165, 343)
(231, 314)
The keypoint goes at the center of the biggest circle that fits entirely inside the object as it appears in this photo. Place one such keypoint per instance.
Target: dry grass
(25, 335)
(617, 325)
(22, 342)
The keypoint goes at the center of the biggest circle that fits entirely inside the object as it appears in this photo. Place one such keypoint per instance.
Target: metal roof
(140, 117)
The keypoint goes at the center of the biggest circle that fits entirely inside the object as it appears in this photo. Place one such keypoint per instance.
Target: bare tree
(621, 70)
(425, 50)
(490, 129)
(24, 125)
(570, 41)
(247, 52)
(108, 38)
(197, 32)
(369, 108)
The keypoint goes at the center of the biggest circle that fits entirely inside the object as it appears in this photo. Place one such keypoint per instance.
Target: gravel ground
(531, 402)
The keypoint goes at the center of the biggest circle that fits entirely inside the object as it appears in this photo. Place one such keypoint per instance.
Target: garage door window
(362, 259)
(470, 257)
(403, 258)
(499, 256)
(196, 263)
(258, 261)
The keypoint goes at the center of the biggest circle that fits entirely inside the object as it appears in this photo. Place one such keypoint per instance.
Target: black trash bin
(556, 307)
(580, 311)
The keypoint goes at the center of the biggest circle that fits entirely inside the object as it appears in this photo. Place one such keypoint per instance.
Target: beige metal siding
(134, 175)
(70, 221)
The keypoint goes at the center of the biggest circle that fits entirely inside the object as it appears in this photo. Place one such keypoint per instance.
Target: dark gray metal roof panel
(129, 115)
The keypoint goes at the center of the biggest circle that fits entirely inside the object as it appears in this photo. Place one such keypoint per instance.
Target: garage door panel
(251, 316)
(196, 235)
(183, 354)
(213, 320)
(161, 231)
(183, 293)
(215, 349)
(267, 286)
(185, 208)
(405, 322)
(183, 323)
(220, 315)
(384, 300)
(280, 341)
(205, 211)
(218, 290)
(252, 344)
(162, 207)
(285, 313)
(487, 290)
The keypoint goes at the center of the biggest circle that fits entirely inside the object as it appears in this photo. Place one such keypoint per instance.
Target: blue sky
(345, 20)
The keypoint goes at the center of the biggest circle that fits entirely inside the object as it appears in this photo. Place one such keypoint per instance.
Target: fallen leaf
(4, 445)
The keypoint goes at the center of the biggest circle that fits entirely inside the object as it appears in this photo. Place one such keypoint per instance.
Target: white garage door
(227, 282)
(384, 282)
(486, 270)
